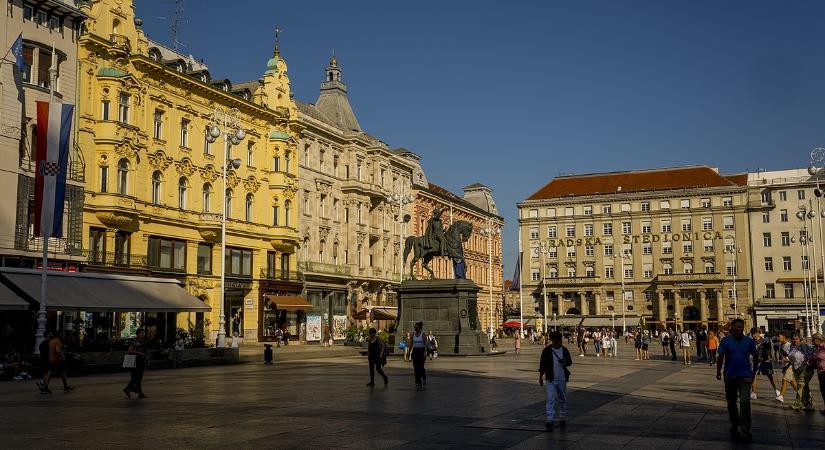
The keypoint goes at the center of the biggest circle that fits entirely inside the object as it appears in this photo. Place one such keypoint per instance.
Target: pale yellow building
(154, 182)
(667, 245)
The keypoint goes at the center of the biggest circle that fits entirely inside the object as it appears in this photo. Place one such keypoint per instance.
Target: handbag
(130, 361)
(402, 345)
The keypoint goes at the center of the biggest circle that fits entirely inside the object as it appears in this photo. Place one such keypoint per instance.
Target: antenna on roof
(277, 41)
(176, 23)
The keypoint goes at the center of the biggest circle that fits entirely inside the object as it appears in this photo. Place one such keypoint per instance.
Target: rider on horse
(434, 235)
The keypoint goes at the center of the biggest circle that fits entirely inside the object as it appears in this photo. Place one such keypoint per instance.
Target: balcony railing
(121, 42)
(272, 274)
(334, 269)
(782, 301)
(111, 259)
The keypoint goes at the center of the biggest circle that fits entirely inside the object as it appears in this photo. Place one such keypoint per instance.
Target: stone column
(677, 313)
(720, 308)
(560, 303)
(583, 303)
(662, 311)
(703, 307)
(597, 302)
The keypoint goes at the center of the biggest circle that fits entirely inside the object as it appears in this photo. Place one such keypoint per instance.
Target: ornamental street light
(809, 214)
(804, 241)
(225, 122)
(401, 200)
(489, 232)
(544, 251)
(622, 257)
(815, 170)
(733, 250)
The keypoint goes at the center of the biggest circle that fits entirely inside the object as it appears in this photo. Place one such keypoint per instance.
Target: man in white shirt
(685, 339)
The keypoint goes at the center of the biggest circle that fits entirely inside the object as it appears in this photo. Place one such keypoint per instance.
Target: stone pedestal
(448, 309)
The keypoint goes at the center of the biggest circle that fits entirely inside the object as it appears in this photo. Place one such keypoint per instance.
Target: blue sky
(511, 94)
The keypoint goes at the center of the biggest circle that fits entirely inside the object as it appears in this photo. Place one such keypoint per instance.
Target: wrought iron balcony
(269, 273)
(333, 269)
(112, 259)
(121, 42)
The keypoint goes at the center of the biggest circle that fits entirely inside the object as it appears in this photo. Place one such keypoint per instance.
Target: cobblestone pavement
(468, 402)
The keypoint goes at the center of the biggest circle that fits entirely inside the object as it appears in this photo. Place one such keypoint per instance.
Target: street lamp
(225, 122)
(402, 200)
(804, 240)
(733, 250)
(554, 322)
(489, 232)
(544, 251)
(622, 257)
(818, 159)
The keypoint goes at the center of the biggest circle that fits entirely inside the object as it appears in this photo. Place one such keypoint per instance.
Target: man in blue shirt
(737, 353)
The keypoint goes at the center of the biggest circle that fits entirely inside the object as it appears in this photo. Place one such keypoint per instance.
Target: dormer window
(154, 54)
(226, 87)
(203, 77)
(179, 68)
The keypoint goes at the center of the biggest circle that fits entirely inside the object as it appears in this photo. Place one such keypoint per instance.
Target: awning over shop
(376, 314)
(289, 302)
(515, 323)
(564, 321)
(11, 301)
(600, 322)
(83, 291)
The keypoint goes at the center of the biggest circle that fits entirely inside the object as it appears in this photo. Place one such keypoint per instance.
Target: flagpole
(520, 291)
(41, 314)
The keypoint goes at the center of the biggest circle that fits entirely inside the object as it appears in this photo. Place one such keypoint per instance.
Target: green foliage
(195, 337)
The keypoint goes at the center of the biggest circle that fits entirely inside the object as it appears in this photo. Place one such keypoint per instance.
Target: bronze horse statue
(456, 234)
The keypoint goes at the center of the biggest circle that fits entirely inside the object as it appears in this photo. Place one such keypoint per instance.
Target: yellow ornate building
(152, 202)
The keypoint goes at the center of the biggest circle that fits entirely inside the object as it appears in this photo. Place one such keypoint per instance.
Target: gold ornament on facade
(251, 184)
(209, 173)
(185, 167)
(115, 220)
(232, 179)
(159, 160)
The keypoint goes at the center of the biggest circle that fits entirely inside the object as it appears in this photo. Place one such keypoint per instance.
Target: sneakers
(127, 392)
(581, 354)
(780, 399)
(753, 396)
(68, 389)
(41, 386)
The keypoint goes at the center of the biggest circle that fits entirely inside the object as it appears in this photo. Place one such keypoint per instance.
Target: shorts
(765, 368)
(787, 374)
(638, 345)
(644, 346)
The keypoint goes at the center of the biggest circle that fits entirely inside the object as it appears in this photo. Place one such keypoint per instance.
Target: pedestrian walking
(614, 345)
(517, 345)
(713, 344)
(606, 344)
(418, 356)
(818, 358)
(376, 357)
(56, 366)
(597, 342)
(44, 363)
(645, 344)
(672, 343)
(236, 340)
(408, 347)
(764, 363)
(802, 367)
(685, 343)
(737, 353)
(553, 368)
(665, 341)
(701, 345)
(137, 348)
(637, 342)
(493, 343)
(432, 345)
(787, 370)
(177, 352)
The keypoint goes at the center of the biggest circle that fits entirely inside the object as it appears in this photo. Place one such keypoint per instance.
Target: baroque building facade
(665, 245)
(350, 228)
(482, 252)
(786, 242)
(154, 182)
(45, 26)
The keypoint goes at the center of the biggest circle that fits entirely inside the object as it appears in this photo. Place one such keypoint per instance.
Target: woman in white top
(685, 341)
(419, 355)
(606, 344)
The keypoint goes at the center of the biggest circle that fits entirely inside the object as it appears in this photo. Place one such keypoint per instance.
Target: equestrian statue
(438, 242)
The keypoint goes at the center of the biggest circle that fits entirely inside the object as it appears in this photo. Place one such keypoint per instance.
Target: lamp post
(622, 257)
(818, 159)
(554, 322)
(543, 251)
(402, 200)
(225, 122)
(806, 286)
(733, 250)
(489, 232)
(808, 213)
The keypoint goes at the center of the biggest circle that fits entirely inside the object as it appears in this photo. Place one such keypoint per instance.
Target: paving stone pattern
(469, 402)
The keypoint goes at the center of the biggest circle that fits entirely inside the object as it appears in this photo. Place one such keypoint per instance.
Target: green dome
(272, 64)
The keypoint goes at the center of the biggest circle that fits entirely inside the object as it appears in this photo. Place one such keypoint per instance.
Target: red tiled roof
(636, 181)
(739, 179)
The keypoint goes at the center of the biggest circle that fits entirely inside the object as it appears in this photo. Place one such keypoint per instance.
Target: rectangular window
(727, 222)
(534, 275)
(534, 232)
(786, 239)
(587, 210)
(571, 252)
(786, 263)
(800, 194)
(648, 273)
(166, 254)
(625, 207)
(608, 250)
(250, 154)
(276, 216)
(607, 209)
(626, 228)
(667, 248)
(783, 196)
(207, 146)
(158, 124)
(705, 203)
(551, 212)
(687, 247)
(769, 264)
(707, 223)
(686, 225)
(205, 259)
(766, 217)
(628, 273)
(28, 12)
(608, 272)
(646, 227)
(626, 249)
(41, 17)
(533, 213)
(708, 245)
(552, 252)
(28, 63)
(645, 206)
(104, 179)
(770, 290)
(788, 287)
(805, 263)
(607, 229)
(647, 249)
(664, 204)
(589, 251)
(238, 262)
(551, 232)
(97, 244)
(588, 229)
(667, 269)
(727, 201)
(568, 211)
(685, 204)
(666, 226)
(766, 197)
(44, 62)
(184, 133)
(570, 231)
(123, 107)
(766, 239)
(730, 268)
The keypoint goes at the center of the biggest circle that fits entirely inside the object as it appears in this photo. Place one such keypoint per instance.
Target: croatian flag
(54, 125)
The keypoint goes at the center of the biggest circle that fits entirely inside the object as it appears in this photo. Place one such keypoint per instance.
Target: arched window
(249, 204)
(553, 273)
(116, 26)
(207, 197)
(306, 249)
(182, 186)
(228, 200)
(287, 213)
(667, 268)
(156, 179)
(688, 268)
(360, 251)
(709, 268)
(335, 253)
(122, 176)
(321, 246)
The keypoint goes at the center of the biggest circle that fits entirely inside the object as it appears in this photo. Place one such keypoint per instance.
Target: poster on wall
(339, 327)
(313, 328)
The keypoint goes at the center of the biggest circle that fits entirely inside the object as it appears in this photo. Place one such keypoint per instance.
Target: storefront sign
(636, 238)
(238, 284)
(684, 285)
(339, 327)
(313, 328)
(249, 303)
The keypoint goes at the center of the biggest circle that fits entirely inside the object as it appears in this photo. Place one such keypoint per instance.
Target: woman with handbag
(135, 360)
(375, 357)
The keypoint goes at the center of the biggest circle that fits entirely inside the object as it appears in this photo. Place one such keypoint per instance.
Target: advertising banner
(313, 328)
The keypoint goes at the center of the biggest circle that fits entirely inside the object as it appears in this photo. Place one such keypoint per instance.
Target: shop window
(204, 259)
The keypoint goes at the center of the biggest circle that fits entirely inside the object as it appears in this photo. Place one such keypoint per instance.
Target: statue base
(448, 309)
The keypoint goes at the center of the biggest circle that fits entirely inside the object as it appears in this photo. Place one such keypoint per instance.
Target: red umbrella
(511, 324)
